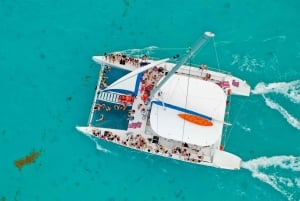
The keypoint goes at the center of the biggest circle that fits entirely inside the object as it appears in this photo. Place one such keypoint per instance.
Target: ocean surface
(47, 82)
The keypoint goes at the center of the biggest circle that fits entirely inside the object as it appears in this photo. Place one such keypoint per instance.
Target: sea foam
(248, 63)
(98, 146)
(291, 90)
(288, 186)
(290, 119)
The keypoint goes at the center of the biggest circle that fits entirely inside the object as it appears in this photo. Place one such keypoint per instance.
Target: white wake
(286, 177)
(134, 51)
(281, 38)
(98, 146)
(291, 90)
(290, 119)
(248, 63)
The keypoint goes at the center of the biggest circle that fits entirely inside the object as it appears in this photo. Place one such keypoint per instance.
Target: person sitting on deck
(203, 67)
(130, 118)
(144, 57)
(185, 144)
(143, 111)
(97, 107)
(149, 86)
(145, 97)
(131, 111)
(140, 105)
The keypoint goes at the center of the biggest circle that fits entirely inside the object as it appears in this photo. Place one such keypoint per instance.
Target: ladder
(108, 97)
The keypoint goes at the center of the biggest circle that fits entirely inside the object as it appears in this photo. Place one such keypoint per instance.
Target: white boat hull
(221, 159)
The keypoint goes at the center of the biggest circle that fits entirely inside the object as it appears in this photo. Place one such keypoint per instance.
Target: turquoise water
(48, 81)
(116, 119)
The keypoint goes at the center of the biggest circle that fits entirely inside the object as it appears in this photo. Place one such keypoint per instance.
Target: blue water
(48, 81)
(116, 119)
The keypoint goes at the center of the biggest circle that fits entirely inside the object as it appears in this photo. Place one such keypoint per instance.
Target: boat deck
(224, 79)
(138, 134)
(129, 125)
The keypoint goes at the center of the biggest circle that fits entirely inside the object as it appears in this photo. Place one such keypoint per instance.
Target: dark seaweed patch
(227, 5)
(27, 159)
(42, 56)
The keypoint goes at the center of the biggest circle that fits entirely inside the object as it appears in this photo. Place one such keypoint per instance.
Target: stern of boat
(226, 160)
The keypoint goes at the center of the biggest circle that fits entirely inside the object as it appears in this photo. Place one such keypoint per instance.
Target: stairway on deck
(108, 97)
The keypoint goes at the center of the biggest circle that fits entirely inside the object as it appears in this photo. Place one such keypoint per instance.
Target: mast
(204, 38)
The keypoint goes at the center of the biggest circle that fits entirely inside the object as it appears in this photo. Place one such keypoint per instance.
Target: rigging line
(170, 48)
(228, 130)
(95, 96)
(217, 57)
(186, 97)
(236, 118)
(227, 120)
(151, 48)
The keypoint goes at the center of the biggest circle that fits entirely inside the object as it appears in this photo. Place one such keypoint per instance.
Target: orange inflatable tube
(195, 119)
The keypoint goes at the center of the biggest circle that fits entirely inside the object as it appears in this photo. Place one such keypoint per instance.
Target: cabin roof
(202, 98)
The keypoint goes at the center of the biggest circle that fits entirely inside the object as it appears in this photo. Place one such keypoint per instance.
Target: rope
(151, 48)
(170, 48)
(227, 120)
(227, 137)
(217, 57)
(186, 100)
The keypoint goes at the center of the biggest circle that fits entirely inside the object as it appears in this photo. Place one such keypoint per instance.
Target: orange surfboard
(195, 119)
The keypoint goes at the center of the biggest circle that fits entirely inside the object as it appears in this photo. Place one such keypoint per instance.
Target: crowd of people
(122, 59)
(137, 141)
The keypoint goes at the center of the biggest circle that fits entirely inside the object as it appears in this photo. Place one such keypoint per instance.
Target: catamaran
(169, 109)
